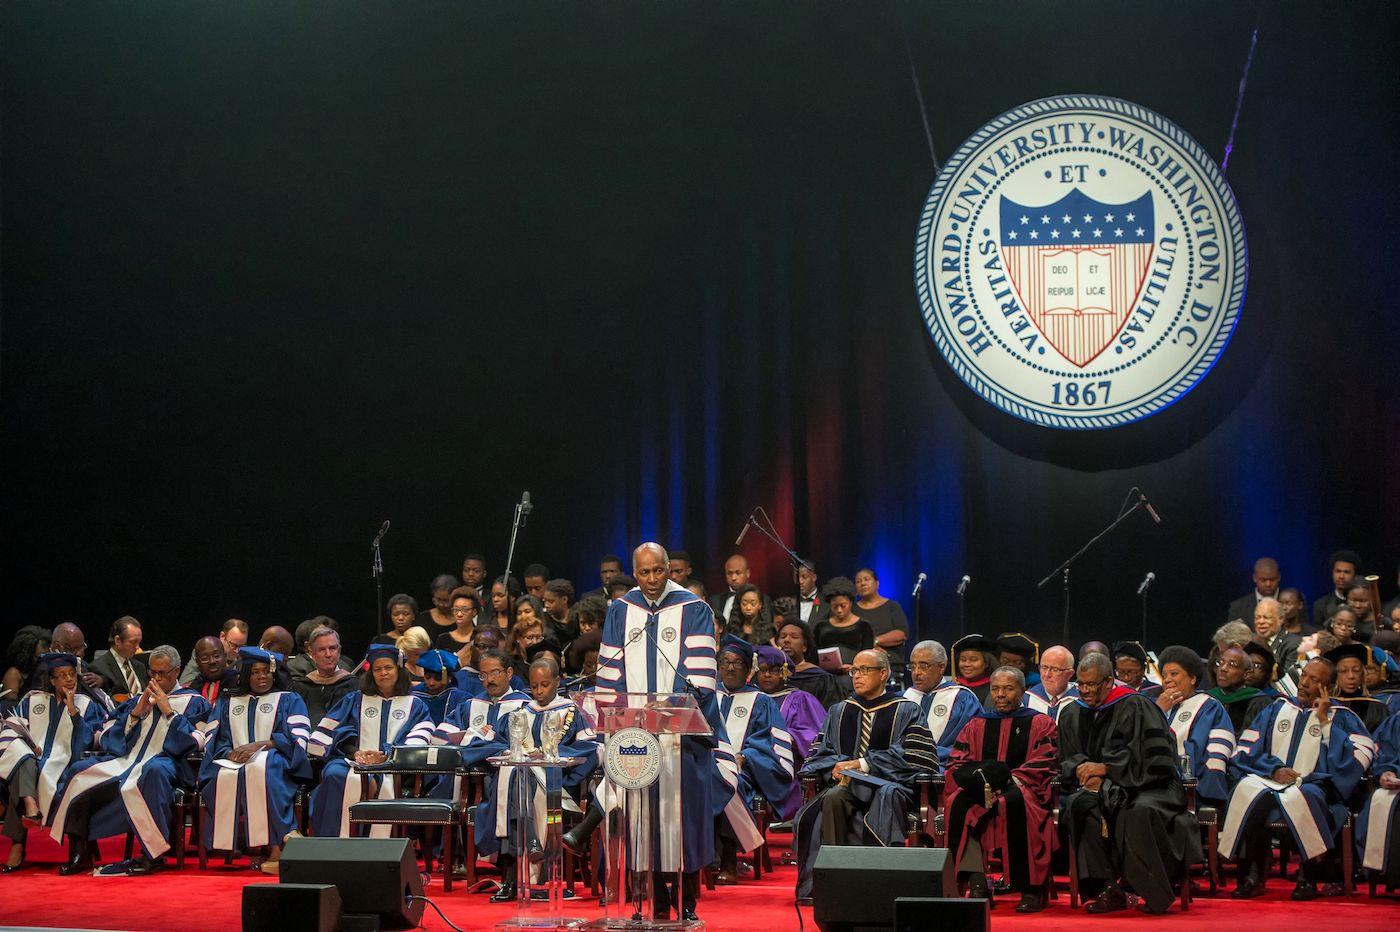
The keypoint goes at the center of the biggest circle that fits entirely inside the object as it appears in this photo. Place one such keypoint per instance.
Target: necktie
(133, 684)
(867, 719)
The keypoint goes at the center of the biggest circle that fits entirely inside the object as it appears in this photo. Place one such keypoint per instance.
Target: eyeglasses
(1234, 664)
(867, 671)
(484, 674)
(732, 663)
(462, 609)
(1048, 669)
(765, 668)
(922, 665)
(1087, 687)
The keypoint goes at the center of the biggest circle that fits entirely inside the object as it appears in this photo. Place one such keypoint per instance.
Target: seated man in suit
(871, 747)
(123, 672)
(1266, 580)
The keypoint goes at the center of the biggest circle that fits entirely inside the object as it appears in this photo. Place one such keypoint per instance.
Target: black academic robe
(899, 747)
(828, 689)
(1243, 705)
(1135, 826)
(1372, 711)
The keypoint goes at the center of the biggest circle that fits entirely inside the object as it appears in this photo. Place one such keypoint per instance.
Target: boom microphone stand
(376, 569)
(522, 512)
(1063, 569)
(771, 533)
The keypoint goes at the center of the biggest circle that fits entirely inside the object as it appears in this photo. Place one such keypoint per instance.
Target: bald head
(277, 638)
(736, 571)
(210, 658)
(68, 639)
(1056, 669)
(651, 567)
(1266, 576)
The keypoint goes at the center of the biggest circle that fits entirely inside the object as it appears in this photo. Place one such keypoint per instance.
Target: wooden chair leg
(179, 826)
(469, 853)
(130, 844)
(448, 867)
(1348, 851)
(1213, 856)
(1073, 875)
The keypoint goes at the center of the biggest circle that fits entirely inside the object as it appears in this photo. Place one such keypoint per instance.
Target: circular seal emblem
(668, 635)
(237, 710)
(741, 712)
(39, 708)
(479, 721)
(398, 715)
(1283, 726)
(265, 708)
(632, 758)
(1314, 730)
(1081, 262)
(371, 712)
(1184, 717)
(940, 710)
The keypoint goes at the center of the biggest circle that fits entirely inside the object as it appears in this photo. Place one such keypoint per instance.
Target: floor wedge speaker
(373, 875)
(855, 888)
(276, 907)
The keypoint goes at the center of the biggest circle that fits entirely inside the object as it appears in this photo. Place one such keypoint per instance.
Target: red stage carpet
(172, 900)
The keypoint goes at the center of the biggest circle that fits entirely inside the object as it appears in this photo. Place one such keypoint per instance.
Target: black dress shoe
(688, 915)
(79, 858)
(1109, 900)
(1030, 903)
(536, 852)
(977, 887)
(1305, 890)
(1248, 888)
(504, 895)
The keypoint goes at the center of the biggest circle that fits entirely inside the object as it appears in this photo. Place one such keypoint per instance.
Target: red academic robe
(1025, 743)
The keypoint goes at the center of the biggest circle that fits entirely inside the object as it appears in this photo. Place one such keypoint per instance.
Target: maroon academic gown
(1018, 754)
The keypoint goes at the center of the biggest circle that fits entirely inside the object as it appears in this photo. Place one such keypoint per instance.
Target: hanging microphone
(962, 584)
(1148, 505)
(1146, 581)
(740, 539)
(380, 536)
(525, 507)
(919, 584)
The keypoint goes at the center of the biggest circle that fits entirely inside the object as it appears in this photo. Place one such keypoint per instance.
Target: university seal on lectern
(1081, 262)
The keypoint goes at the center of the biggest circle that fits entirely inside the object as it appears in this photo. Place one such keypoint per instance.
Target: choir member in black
(403, 613)
(1266, 580)
(843, 629)
(998, 794)
(1350, 661)
(795, 640)
(886, 619)
(1293, 611)
(974, 659)
(1343, 565)
(1241, 701)
(870, 749)
(1359, 601)
(1124, 802)
(466, 605)
(811, 607)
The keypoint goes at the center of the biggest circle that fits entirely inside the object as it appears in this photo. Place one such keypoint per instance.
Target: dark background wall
(275, 272)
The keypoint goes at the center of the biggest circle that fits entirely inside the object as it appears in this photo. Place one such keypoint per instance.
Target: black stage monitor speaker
(276, 907)
(855, 888)
(946, 914)
(374, 875)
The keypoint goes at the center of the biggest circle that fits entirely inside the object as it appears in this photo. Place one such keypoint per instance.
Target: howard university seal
(1081, 262)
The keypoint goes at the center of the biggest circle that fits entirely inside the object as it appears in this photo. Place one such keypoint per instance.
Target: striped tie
(867, 719)
(133, 685)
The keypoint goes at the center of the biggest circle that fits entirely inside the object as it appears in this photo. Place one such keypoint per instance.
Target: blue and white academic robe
(890, 738)
(61, 740)
(947, 708)
(442, 704)
(472, 726)
(1332, 760)
(679, 654)
(146, 759)
(1377, 828)
(360, 722)
(1037, 698)
(1204, 734)
(754, 727)
(249, 805)
(506, 786)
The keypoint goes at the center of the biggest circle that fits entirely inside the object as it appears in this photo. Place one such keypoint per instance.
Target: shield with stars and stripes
(1078, 266)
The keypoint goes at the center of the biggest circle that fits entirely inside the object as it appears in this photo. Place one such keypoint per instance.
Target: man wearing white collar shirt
(809, 602)
(1266, 580)
(1055, 687)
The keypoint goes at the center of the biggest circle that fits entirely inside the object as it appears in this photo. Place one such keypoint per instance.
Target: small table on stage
(539, 900)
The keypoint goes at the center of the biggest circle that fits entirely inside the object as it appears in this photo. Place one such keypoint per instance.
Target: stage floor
(192, 899)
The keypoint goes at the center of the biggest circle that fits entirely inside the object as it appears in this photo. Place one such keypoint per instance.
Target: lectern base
(540, 924)
(642, 925)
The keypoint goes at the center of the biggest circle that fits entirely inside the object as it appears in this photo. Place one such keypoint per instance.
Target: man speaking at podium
(660, 638)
